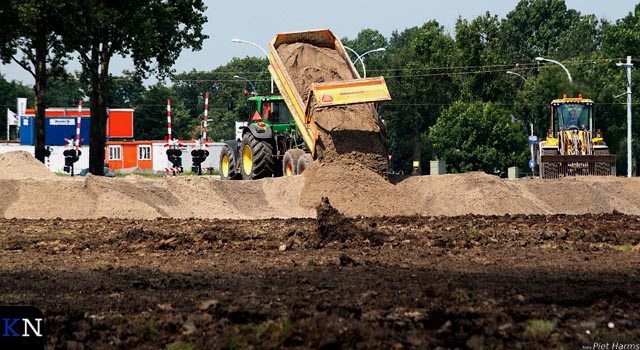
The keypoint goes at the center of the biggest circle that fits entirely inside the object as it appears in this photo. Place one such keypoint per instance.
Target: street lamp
(516, 74)
(628, 67)
(258, 46)
(540, 59)
(361, 57)
(248, 81)
(532, 161)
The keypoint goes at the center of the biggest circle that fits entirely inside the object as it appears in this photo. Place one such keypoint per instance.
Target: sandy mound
(480, 193)
(142, 198)
(353, 190)
(348, 133)
(30, 191)
(22, 165)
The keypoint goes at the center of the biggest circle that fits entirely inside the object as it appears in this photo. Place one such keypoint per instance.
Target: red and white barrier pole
(206, 117)
(78, 125)
(169, 118)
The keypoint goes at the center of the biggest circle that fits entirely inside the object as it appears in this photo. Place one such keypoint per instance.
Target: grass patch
(626, 248)
(270, 334)
(539, 329)
(148, 331)
(237, 343)
(141, 174)
(179, 345)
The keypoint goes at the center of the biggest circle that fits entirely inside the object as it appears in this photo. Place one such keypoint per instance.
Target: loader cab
(572, 114)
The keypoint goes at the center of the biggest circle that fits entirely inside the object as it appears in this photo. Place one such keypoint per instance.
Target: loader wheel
(602, 169)
(228, 164)
(256, 158)
(290, 162)
(303, 163)
(550, 170)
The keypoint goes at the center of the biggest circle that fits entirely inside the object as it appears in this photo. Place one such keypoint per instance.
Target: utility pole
(628, 66)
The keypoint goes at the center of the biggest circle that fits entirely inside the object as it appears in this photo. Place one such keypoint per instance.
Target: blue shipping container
(28, 131)
(57, 129)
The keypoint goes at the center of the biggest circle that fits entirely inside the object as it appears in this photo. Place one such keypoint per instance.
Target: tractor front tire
(304, 162)
(256, 158)
(290, 161)
(228, 164)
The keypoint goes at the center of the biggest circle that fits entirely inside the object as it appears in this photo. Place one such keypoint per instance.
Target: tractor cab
(271, 109)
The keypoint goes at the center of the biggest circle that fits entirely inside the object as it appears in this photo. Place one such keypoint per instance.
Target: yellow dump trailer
(315, 76)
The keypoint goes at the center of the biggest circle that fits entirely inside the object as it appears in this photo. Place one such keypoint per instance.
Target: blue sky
(259, 21)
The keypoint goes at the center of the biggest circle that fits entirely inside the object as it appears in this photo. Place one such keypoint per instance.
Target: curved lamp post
(259, 47)
(540, 59)
(516, 74)
(361, 57)
(248, 81)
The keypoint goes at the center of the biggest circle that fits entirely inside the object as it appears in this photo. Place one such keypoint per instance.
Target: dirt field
(455, 261)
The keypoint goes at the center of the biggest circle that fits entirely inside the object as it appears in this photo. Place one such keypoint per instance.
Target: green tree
(623, 37)
(32, 40)
(421, 87)
(64, 91)
(478, 136)
(125, 91)
(566, 36)
(150, 32)
(150, 122)
(367, 39)
(620, 39)
(535, 27)
(226, 99)
(9, 92)
(478, 52)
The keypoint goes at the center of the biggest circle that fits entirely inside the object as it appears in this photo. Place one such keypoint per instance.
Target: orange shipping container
(120, 124)
(129, 154)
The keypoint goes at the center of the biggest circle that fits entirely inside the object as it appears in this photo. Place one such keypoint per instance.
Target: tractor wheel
(303, 163)
(256, 158)
(290, 162)
(227, 164)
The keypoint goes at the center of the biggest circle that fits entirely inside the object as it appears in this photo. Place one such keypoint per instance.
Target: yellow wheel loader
(573, 147)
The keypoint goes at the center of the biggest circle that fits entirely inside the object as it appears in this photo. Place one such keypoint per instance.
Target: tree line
(41, 36)
(467, 97)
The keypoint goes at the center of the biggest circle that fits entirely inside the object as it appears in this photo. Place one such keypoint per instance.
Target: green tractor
(268, 145)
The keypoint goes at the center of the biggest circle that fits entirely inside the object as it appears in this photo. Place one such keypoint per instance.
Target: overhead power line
(438, 71)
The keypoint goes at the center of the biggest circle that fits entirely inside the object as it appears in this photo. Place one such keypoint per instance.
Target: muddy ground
(467, 261)
(414, 282)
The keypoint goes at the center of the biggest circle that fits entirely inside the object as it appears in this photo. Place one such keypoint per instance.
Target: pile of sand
(22, 165)
(31, 191)
(347, 133)
(354, 190)
(483, 194)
